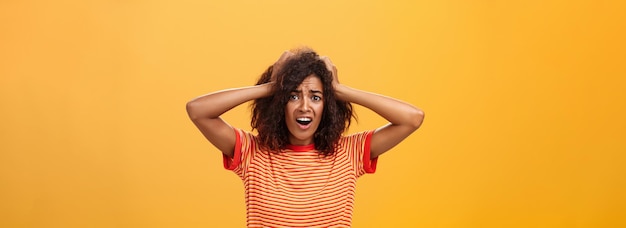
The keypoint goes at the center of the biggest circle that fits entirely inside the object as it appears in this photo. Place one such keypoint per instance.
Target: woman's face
(304, 109)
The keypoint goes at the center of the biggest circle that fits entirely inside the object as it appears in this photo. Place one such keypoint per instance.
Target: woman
(299, 171)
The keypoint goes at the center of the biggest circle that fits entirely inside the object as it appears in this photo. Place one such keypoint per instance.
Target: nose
(304, 106)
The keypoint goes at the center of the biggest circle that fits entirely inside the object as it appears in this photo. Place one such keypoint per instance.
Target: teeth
(304, 119)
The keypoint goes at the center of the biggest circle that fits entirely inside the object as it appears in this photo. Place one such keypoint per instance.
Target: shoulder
(245, 138)
(244, 133)
(358, 138)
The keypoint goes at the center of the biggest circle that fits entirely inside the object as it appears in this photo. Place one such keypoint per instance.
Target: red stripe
(300, 189)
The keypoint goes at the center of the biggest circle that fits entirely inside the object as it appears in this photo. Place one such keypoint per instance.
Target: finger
(331, 67)
(285, 56)
(327, 62)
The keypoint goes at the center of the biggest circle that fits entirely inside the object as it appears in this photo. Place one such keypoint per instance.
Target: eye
(316, 98)
(293, 97)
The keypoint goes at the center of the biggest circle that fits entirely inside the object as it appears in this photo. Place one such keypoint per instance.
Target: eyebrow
(312, 91)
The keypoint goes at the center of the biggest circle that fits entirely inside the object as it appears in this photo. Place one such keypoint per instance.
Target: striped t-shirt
(298, 187)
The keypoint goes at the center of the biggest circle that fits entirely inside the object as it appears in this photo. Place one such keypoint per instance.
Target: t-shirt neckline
(301, 148)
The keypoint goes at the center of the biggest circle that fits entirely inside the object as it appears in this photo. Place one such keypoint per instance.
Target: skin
(306, 101)
(205, 112)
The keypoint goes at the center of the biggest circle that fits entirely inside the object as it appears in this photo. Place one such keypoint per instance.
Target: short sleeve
(358, 147)
(244, 143)
(232, 163)
(369, 164)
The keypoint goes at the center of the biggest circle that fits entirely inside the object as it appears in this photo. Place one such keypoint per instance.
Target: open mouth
(304, 120)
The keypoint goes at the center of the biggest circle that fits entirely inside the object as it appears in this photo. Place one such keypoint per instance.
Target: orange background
(524, 100)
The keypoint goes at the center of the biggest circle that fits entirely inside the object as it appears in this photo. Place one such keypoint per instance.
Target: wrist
(340, 91)
(267, 89)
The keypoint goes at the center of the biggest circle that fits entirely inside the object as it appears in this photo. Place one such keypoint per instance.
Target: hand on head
(287, 55)
(280, 63)
(332, 68)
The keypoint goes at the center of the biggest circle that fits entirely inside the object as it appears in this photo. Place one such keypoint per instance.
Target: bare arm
(404, 118)
(205, 112)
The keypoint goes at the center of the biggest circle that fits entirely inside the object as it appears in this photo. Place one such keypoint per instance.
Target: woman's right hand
(280, 63)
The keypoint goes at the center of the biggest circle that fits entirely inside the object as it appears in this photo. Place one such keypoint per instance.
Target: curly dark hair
(269, 120)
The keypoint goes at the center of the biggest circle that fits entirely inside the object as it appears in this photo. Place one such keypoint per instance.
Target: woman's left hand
(333, 70)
